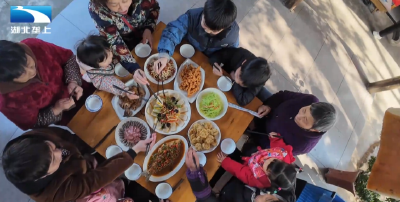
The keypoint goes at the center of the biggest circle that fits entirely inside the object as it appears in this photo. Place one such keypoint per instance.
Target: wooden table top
(91, 127)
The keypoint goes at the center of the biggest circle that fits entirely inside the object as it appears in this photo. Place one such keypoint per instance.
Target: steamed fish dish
(211, 105)
(127, 104)
(165, 158)
(170, 113)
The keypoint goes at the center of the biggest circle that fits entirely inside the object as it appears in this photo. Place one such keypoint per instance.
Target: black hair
(255, 72)
(93, 50)
(324, 115)
(219, 14)
(99, 2)
(282, 175)
(12, 60)
(26, 158)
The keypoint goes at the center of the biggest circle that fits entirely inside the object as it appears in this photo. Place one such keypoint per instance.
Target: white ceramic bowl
(202, 158)
(120, 71)
(187, 51)
(228, 146)
(112, 151)
(152, 79)
(215, 126)
(93, 103)
(163, 190)
(142, 50)
(134, 172)
(224, 84)
(223, 98)
(176, 169)
(117, 139)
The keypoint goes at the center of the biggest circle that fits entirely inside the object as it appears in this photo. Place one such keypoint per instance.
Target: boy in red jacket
(268, 168)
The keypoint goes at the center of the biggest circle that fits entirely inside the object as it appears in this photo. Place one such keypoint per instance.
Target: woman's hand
(189, 159)
(142, 144)
(264, 110)
(62, 105)
(132, 95)
(221, 157)
(75, 90)
(217, 69)
(266, 198)
(140, 77)
(147, 37)
(160, 64)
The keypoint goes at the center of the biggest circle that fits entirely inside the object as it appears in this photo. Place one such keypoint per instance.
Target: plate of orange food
(190, 80)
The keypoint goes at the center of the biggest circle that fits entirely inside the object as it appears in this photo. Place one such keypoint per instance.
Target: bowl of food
(190, 80)
(130, 131)
(204, 135)
(165, 159)
(212, 104)
(171, 112)
(124, 107)
(167, 74)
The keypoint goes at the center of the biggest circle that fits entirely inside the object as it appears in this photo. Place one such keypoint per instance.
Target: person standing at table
(125, 23)
(47, 165)
(39, 82)
(208, 29)
(248, 72)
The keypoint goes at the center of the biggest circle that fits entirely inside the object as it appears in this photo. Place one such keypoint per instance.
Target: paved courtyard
(324, 48)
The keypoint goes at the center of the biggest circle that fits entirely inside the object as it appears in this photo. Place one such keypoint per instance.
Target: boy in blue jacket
(208, 29)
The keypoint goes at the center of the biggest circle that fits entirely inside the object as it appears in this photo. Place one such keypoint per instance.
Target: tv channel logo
(30, 14)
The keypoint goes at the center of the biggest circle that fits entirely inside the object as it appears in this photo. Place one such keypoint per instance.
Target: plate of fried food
(124, 107)
(130, 131)
(204, 135)
(190, 80)
(167, 74)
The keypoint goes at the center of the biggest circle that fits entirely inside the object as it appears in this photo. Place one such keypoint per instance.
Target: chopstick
(151, 136)
(72, 92)
(123, 90)
(258, 133)
(177, 185)
(229, 79)
(151, 90)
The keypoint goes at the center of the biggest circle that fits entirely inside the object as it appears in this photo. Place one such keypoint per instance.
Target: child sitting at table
(268, 168)
(95, 60)
(208, 29)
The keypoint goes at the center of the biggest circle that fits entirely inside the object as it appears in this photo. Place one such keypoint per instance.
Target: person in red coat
(268, 168)
(38, 83)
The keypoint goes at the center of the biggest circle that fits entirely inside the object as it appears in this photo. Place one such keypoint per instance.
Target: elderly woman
(125, 23)
(47, 164)
(38, 83)
(299, 118)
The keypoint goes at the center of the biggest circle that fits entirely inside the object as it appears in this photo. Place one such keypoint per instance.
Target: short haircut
(219, 14)
(255, 72)
(324, 114)
(99, 2)
(281, 174)
(93, 50)
(26, 158)
(12, 61)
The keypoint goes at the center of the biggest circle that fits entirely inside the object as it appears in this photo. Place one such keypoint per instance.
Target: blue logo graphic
(30, 14)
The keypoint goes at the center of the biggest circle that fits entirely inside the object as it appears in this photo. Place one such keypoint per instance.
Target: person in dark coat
(248, 71)
(299, 118)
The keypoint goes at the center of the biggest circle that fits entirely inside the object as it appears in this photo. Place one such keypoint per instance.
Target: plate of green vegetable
(211, 104)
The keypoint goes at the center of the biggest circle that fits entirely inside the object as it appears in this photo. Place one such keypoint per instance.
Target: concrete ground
(324, 47)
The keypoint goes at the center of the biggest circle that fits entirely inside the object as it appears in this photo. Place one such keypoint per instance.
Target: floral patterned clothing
(124, 32)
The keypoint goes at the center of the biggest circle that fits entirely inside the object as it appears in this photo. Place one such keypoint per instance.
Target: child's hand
(217, 70)
(263, 110)
(132, 96)
(221, 157)
(273, 135)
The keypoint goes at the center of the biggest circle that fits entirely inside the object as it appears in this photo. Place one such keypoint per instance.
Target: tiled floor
(320, 48)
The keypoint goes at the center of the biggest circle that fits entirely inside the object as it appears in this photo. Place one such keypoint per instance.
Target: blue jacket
(188, 27)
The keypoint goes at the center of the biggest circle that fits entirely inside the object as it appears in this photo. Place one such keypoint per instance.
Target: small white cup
(112, 151)
(202, 158)
(163, 190)
(224, 84)
(93, 103)
(228, 146)
(187, 51)
(133, 173)
(143, 50)
(120, 70)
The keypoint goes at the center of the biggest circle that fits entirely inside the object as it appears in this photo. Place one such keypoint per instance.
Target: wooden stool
(342, 179)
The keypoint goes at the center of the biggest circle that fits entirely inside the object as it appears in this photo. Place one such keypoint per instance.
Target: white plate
(177, 168)
(223, 100)
(150, 119)
(119, 143)
(147, 73)
(215, 126)
(178, 80)
(115, 101)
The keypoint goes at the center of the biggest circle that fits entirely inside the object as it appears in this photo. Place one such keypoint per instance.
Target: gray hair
(325, 116)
